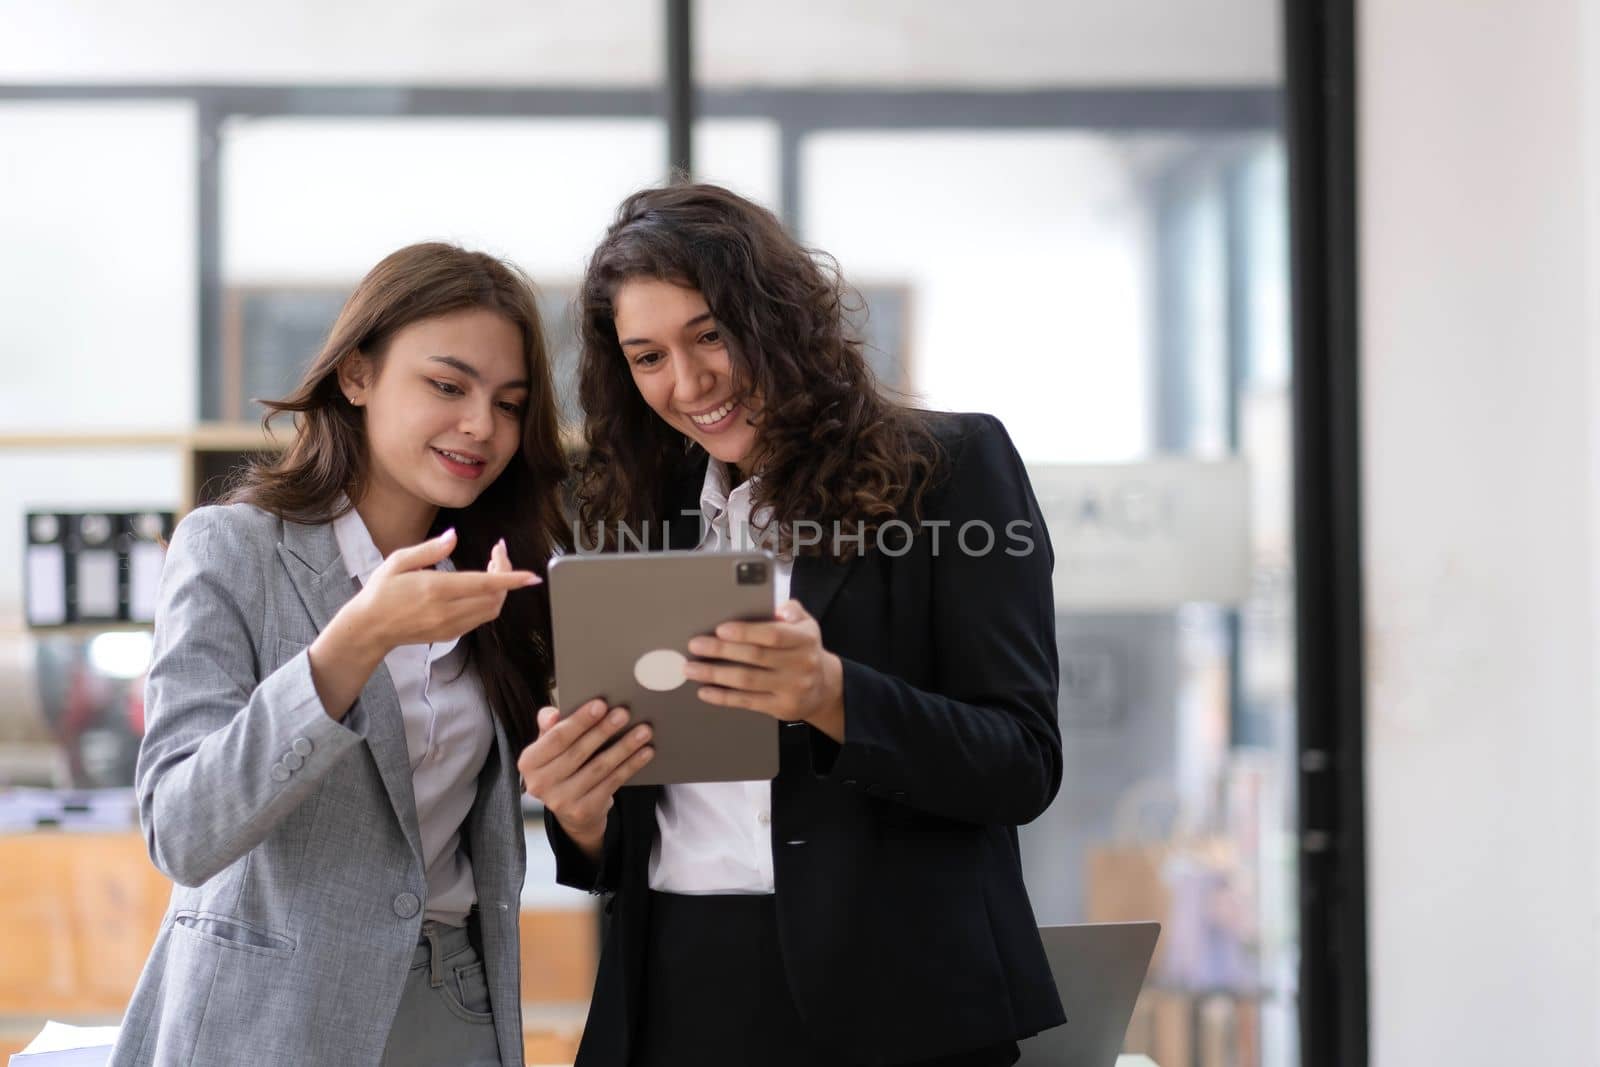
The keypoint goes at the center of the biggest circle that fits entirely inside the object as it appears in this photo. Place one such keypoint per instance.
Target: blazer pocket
(230, 933)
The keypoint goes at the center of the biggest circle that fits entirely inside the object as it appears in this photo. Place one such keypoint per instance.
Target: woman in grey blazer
(346, 665)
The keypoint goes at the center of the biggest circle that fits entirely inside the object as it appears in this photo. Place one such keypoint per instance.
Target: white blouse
(716, 837)
(448, 734)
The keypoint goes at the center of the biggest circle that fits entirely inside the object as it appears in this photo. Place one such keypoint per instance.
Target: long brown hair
(832, 446)
(324, 469)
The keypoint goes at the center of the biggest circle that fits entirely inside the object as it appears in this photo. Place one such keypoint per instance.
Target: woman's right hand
(406, 602)
(568, 772)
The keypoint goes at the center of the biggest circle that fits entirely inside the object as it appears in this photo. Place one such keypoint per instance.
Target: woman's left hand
(777, 668)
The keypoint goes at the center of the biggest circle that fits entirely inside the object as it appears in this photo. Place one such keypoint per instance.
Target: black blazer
(906, 931)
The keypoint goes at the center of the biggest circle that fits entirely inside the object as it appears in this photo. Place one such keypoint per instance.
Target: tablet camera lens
(750, 573)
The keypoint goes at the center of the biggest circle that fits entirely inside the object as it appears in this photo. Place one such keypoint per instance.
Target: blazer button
(302, 747)
(293, 761)
(280, 773)
(406, 905)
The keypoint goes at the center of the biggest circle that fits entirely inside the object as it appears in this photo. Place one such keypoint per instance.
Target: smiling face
(443, 411)
(679, 361)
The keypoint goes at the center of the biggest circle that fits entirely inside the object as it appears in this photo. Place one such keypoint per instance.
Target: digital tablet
(622, 625)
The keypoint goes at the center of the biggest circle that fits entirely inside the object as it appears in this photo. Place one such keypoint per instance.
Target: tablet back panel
(608, 611)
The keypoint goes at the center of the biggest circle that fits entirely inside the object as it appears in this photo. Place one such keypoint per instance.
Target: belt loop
(430, 930)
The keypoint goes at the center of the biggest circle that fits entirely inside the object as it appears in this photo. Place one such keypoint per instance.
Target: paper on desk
(68, 809)
(60, 1045)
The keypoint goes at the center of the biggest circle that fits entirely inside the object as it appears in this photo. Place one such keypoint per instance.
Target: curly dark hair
(833, 447)
(324, 469)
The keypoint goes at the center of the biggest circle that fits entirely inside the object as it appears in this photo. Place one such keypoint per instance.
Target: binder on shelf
(44, 580)
(95, 563)
(144, 546)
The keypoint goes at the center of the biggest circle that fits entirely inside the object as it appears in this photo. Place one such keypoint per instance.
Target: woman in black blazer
(868, 907)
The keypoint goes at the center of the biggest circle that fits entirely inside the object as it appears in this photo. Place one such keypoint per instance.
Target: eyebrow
(456, 363)
(704, 316)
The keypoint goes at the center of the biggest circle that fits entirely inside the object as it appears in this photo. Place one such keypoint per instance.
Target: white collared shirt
(716, 837)
(448, 736)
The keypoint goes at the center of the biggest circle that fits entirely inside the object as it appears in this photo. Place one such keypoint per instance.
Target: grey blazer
(293, 838)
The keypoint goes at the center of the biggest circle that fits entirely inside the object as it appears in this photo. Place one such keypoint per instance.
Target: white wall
(1591, 100)
(1479, 347)
(97, 266)
(772, 42)
(995, 43)
(1029, 260)
(310, 41)
(322, 200)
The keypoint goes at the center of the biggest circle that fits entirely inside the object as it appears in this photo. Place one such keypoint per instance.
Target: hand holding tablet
(563, 771)
(777, 668)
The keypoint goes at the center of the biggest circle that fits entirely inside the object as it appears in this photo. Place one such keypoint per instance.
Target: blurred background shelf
(209, 451)
(206, 436)
(14, 627)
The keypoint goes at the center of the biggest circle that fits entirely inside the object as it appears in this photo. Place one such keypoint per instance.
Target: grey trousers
(444, 1015)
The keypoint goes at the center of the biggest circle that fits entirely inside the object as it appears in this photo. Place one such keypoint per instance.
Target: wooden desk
(537, 1053)
(82, 911)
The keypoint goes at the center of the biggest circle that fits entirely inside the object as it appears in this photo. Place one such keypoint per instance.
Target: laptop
(1099, 969)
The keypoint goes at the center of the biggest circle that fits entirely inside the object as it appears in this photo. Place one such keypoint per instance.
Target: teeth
(713, 416)
(459, 458)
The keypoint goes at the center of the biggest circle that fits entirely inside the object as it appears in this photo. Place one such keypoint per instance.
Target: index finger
(765, 634)
(477, 583)
(564, 733)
